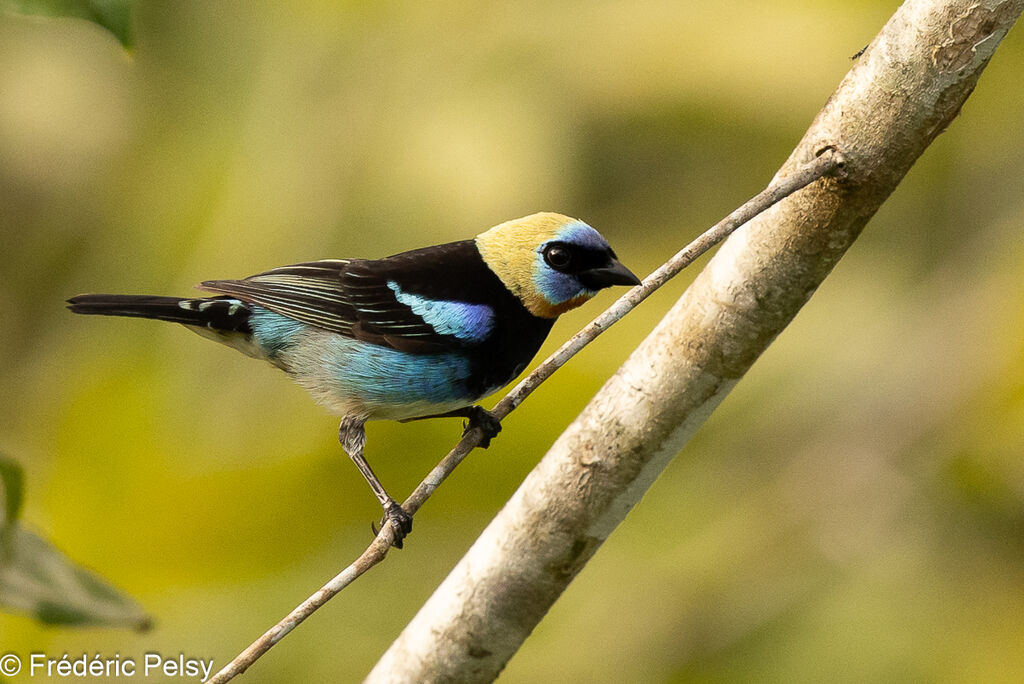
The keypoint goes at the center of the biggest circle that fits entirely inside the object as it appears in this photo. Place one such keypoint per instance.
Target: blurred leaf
(37, 579)
(12, 480)
(113, 15)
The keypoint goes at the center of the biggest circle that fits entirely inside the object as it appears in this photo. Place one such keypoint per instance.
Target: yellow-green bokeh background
(853, 512)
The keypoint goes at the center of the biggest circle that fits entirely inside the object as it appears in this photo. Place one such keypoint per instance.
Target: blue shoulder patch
(469, 322)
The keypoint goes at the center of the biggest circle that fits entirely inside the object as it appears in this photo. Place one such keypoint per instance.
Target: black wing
(360, 298)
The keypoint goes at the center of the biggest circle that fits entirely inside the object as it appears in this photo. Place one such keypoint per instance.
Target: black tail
(225, 314)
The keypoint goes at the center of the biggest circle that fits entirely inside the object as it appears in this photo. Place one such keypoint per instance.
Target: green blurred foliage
(12, 484)
(113, 15)
(38, 580)
(853, 512)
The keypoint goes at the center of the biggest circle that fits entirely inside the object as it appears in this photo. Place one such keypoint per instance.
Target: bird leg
(478, 416)
(352, 436)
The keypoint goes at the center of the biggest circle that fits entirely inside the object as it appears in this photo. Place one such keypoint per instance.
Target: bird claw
(401, 523)
(488, 424)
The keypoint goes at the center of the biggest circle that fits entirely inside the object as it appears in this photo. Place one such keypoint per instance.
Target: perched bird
(420, 334)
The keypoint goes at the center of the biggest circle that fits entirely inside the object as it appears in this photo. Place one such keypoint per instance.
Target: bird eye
(557, 257)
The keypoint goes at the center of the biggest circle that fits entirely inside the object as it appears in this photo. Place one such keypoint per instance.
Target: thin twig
(828, 161)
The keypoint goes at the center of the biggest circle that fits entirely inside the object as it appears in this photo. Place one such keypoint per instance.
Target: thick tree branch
(827, 162)
(905, 89)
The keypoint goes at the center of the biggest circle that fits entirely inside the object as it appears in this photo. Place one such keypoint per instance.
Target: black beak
(606, 276)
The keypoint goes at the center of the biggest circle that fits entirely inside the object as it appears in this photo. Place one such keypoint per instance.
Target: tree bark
(902, 92)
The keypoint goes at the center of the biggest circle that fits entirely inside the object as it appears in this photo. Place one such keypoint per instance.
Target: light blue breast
(469, 322)
(347, 375)
(384, 377)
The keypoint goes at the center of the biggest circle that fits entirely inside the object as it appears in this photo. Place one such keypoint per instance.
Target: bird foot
(487, 422)
(401, 522)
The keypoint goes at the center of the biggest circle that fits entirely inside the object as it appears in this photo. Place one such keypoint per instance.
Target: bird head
(551, 262)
